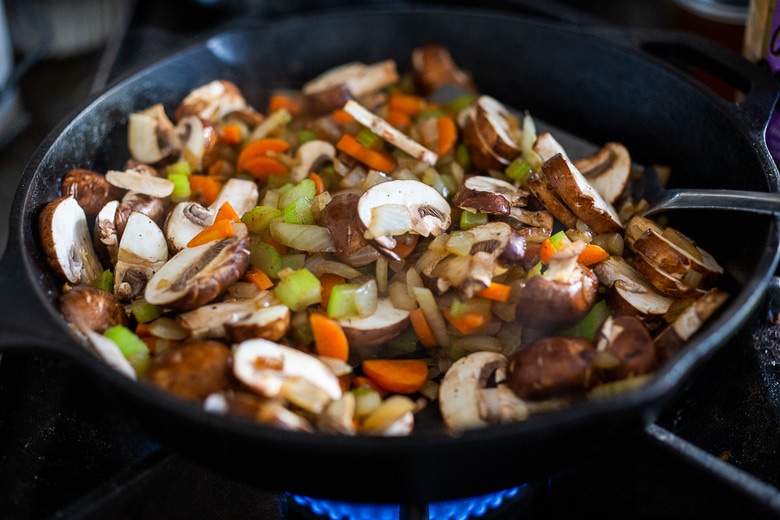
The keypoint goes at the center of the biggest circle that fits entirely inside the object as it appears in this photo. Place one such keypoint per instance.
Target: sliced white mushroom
(608, 170)
(270, 323)
(427, 212)
(199, 140)
(308, 156)
(380, 327)
(481, 193)
(546, 146)
(265, 366)
(197, 275)
(339, 416)
(242, 194)
(67, 242)
(142, 252)
(211, 101)
(390, 133)
(212, 320)
(186, 220)
(493, 122)
(461, 389)
(674, 337)
(151, 136)
(140, 182)
(333, 87)
(105, 235)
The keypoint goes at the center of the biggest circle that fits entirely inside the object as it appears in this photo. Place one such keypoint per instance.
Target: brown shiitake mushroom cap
(553, 366)
(193, 370)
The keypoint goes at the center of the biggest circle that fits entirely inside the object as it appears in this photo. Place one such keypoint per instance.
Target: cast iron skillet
(597, 83)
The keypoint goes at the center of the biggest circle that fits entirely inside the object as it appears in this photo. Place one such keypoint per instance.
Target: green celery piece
(519, 170)
(259, 218)
(299, 211)
(144, 312)
(305, 188)
(369, 139)
(298, 289)
(342, 301)
(590, 323)
(432, 178)
(105, 282)
(265, 257)
(478, 305)
(131, 346)
(560, 240)
(293, 261)
(304, 136)
(181, 187)
(178, 168)
(468, 219)
(463, 156)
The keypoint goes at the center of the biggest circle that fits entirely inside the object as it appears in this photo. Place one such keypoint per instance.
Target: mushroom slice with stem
(91, 190)
(140, 181)
(211, 101)
(197, 275)
(270, 323)
(480, 193)
(242, 194)
(309, 156)
(265, 366)
(67, 242)
(550, 200)
(200, 141)
(186, 220)
(580, 196)
(142, 252)
(340, 218)
(461, 389)
(416, 207)
(331, 89)
(608, 170)
(105, 236)
(151, 136)
(153, 207)
(211, 320)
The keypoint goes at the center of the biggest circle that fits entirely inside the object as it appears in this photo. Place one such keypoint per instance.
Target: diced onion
(303, 237)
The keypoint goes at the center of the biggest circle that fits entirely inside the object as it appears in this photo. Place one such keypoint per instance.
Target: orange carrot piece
(218, 230)
(262, 167)
(407, 103)
(259, 278)
(280, 248)
(319, 184)
(422, 329)
(367, 382)
(142, 330)
(230, 134)
(401, 376)
(448, 134)
(398, 119)
(289, 103)
(208, 186)
(546, 251)
(468, 322)
(498, 292)
(226, 211)
(374, 159)
(592, 254)
(260, 148)
(329, 338)
(341, 116)
(327, 282)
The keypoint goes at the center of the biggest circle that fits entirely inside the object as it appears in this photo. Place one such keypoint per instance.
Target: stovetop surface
(69, 450)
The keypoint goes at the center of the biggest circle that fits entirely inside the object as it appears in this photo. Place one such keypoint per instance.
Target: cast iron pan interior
(599, 84)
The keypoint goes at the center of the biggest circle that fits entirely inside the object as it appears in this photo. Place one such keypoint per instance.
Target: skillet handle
(755, 88)
(25, 322)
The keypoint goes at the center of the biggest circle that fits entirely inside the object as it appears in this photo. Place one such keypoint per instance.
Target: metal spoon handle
(735, 200)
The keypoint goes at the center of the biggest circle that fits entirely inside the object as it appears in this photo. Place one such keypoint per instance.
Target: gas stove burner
(482, 506)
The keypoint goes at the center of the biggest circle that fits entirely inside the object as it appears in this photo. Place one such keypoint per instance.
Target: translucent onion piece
(383, 416)
(366, 298)
(389, 220)
(303, 237)
(167, 328)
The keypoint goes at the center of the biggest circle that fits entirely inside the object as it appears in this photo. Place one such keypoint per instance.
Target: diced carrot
(142, 329)
(546, 251)
(329, 337)
(208, 186)
(422, 329)
(398, 119)
(327, 282)
(498, 292)
(592, 254)
(341, 116)
(150, 342)
(258, 277)
(448, 134)
(218, 230)
(226, 211)
(401, 376)
(407, 103)
(374, 159)
(280, 248)
(319, 184)
(468, 322)
(404, 248)
(230, 134)
(260, 148)
(263, 167)
(367, 382)
(290, 103)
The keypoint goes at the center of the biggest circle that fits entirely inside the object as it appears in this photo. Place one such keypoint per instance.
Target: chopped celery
(181, 187)
(404, 343)
(460, 102)
(298, 289)
(259, 218)
(105, 282)
(468, 219)
(589, 325)
(178, 168)
(369, 139)
(519, 170)
(431, 112)
(455, 353)
(291, 192)
(304, 136)
(560, 240)
(299, 211)
(478, 305)
(463, 157)
(535, 270)
(293, 261)
(342, 301)
(277, 180)
(131, 346)
(265, 257)
(144, 312)
(432, 178)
